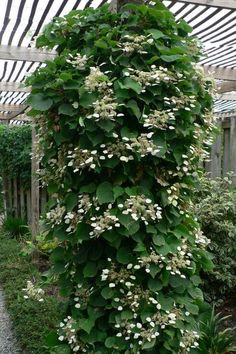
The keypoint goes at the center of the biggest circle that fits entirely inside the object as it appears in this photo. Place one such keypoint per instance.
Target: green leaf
(156, 34)
(149, 345)
(193, 309)
(90, 269)
(154, 285)
(52, 339)
(87, 324)
(131, 84)
(88, 188)
(171, 58)
(40, 102)
(100, 43)
(71, 200)
(87, 99)
(124, 255)
(118, 191)
(82, 231)
(108, 293)
(61, 349)
(66, 109)
(105, 193)
(134, 108)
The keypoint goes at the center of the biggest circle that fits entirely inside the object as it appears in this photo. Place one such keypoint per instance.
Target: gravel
(7, 340)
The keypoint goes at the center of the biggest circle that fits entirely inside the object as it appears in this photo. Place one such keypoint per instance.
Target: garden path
(7, 340)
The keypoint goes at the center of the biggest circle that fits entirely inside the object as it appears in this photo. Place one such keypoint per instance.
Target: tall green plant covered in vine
(123, 115)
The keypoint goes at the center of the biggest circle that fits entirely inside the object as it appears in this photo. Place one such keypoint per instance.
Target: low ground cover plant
(32, 320)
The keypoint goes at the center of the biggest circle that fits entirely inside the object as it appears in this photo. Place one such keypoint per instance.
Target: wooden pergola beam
(12, 107)
(227, 86)
(227, 74)
(8, 52)
(13, 87)
(226, 4)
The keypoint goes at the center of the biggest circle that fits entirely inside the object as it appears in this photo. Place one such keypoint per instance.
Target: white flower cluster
(105, 107)
(143, 145)
(78, 61)
(103, 223)
(150, 328)
(71, 218)
(183, 101)
(82, 295)
(152, 258)
(141, 207)
(135, 43)
(33, 292)
(159, 119)
(96, 80)
(173, 194)
(180, 260)
(122, 276)
(189, 340)
(55, 216)
(67, 332)
(150, 78)
(81, 158)
(200, 239)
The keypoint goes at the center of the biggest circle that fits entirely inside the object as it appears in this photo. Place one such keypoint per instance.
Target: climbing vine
(123, 117)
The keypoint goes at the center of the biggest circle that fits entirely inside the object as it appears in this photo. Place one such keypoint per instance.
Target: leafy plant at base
(123, 115)
(16, 227)
(215, 208)
(213, 340)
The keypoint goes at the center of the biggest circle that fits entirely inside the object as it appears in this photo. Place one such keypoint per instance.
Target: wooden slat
(28, 204)
(15, 197)
(8, 52)
(229, 4)
(230, 96)
(12, 107)
(22, 201)
(13, 87)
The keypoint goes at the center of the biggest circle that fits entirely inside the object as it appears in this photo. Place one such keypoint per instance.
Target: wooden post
(233, 147)
(226, 153)
(216, 157)
(34, 188)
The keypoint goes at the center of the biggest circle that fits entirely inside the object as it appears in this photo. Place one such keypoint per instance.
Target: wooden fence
(18, 200)
(223, 152)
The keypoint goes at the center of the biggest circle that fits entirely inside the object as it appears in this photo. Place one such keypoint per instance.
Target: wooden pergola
(213, 22)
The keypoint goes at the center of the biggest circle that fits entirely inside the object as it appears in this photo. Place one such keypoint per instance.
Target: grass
(32, 320)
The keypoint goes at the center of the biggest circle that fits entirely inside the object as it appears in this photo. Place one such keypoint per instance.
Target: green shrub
(215, 208)
(14, 226)
(123, 115)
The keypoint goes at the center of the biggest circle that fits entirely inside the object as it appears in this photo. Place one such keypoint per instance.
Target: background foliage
(15, 150)
(123, 116)
(215, 207)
